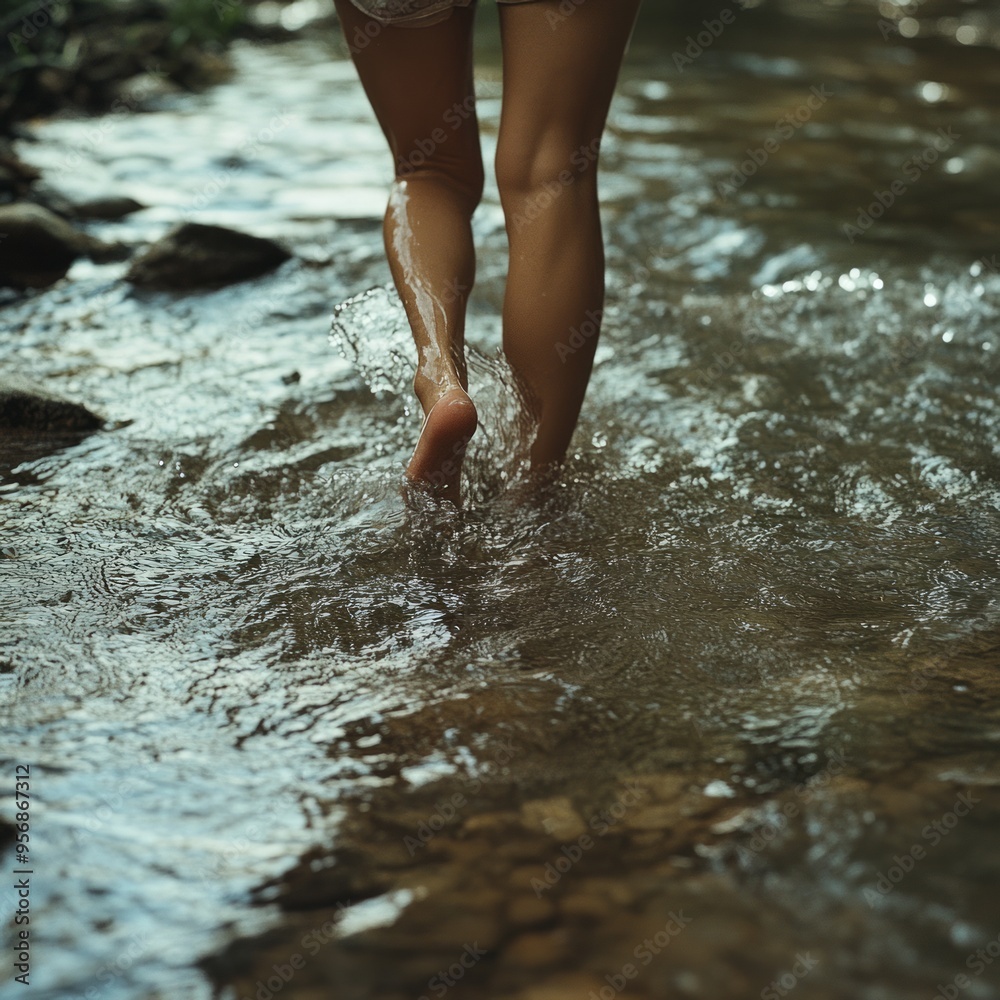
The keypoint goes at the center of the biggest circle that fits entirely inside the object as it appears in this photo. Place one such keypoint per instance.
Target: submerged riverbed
(733, 681)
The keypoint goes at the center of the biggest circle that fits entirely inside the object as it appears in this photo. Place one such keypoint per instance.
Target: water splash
(370, 331)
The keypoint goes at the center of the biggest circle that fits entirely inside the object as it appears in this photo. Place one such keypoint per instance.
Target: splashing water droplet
(370, 331)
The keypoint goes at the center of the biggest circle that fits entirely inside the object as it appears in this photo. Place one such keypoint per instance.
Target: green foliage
(204, 21)
(55, 52)
(11, 8)
(34, 25)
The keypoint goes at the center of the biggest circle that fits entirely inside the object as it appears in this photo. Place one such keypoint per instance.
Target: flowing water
(732, 680)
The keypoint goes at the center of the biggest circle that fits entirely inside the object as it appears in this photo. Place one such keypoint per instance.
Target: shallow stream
(748, 646)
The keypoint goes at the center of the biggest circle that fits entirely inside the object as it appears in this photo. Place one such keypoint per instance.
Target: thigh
(419, 81)
(561, 63)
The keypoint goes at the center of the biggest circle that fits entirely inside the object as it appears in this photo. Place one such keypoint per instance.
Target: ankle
(430, 391)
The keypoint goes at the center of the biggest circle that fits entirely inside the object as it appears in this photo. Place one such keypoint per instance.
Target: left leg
(559, 75)
(419, 81)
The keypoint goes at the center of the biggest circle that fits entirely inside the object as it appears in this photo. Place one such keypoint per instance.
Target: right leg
(560, 72)
(419, 81)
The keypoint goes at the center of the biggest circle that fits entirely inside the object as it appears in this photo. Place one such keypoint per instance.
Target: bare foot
(437, 460)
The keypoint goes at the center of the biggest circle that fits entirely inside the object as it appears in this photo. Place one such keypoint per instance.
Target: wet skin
(547, 159)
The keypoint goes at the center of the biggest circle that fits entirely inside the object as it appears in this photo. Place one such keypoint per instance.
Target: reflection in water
(764, 592)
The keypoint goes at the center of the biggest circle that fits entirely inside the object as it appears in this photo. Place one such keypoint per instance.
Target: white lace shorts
(414, 13)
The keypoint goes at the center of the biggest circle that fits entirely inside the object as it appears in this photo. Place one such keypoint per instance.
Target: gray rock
(16, 176)
(194, 255)
(37, 247)
(110, 207)
(29, 408)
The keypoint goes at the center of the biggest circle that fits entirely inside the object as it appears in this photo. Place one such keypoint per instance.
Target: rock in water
(110, 207)
(198, 256)
(26, 408)
(37, 247)
(16, 176)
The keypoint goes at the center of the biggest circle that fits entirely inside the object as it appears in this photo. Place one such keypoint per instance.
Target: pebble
(571, 986)
(662, 787)
(535, 951)
(556, 817)
(490, 823)
(529, 911)
(653, 818)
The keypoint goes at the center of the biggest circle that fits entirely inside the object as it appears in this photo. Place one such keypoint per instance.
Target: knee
(544, 169)
(461, 170)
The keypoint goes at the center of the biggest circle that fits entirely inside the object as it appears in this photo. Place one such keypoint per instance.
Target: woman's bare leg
(560, 71)
(419, 82)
